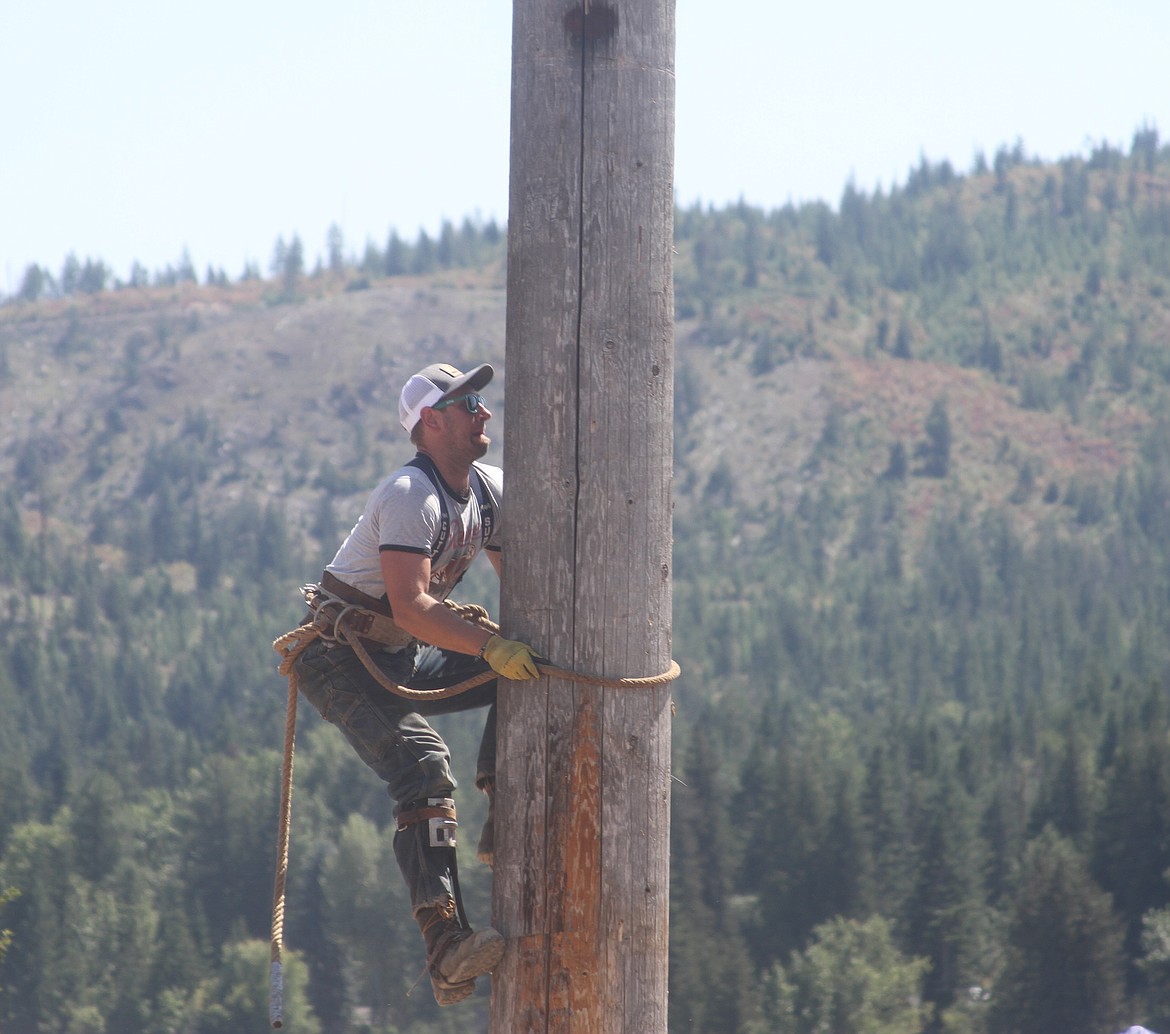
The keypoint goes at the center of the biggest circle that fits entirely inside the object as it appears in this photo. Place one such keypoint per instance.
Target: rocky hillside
(1026, 306)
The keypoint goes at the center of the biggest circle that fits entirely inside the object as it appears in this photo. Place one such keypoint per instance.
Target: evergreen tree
(373, 260)
(44, 971)
(7, 895)
(1155, 966)
(70, 275)
(935, 451)
(1064, 964)
(33, 284)
(445, 249)
(292, 268)
(889, 809)
(279, 257)
(1133, 828)
(425, 260)
(335, 246)
(96, 828)
(185, 273)
(397, 255)
(947, 913)
(1067, 799)
(902, 339)
(898, 466)
(227, 823)
(378, 953)
(710, 970)
(851, 978)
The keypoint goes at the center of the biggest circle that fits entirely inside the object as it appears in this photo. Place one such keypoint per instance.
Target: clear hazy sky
(135, 129)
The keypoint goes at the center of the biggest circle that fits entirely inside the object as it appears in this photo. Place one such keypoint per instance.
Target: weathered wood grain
(582, 861)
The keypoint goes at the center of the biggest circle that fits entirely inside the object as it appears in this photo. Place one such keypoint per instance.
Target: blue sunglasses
(473, 402)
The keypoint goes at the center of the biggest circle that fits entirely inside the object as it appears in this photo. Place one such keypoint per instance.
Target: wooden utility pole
(581, 885)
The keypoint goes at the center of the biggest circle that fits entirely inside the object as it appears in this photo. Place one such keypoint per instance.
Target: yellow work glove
(510, 658)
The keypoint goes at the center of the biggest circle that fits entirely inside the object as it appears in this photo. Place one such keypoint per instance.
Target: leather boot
(455, 955)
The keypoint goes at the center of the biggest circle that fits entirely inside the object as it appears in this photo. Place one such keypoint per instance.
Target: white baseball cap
(431, 383)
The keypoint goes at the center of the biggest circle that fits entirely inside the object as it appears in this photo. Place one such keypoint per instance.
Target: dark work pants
(391, 734)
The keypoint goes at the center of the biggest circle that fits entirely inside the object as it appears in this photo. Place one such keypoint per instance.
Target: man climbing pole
(382, 622)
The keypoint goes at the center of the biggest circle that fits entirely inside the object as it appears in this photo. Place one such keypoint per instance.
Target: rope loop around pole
(290, 646)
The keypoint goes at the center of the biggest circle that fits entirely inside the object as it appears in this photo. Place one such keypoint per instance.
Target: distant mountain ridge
(1030, 300)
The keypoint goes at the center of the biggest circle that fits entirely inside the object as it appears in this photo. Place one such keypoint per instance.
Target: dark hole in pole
(591, 21)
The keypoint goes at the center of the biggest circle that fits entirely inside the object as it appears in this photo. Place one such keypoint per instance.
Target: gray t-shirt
(416, 511)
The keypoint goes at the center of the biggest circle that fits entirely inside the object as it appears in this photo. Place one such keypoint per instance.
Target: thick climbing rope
(275, 960)
(290, 646)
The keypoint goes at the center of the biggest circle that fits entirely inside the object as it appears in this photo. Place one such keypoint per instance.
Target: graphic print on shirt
(461, 549)
(465, 527)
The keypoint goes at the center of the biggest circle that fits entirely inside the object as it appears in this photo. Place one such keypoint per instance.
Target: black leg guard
(456, 954)
(436, 852)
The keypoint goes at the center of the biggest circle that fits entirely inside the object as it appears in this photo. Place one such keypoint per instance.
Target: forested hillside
(922, 606)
